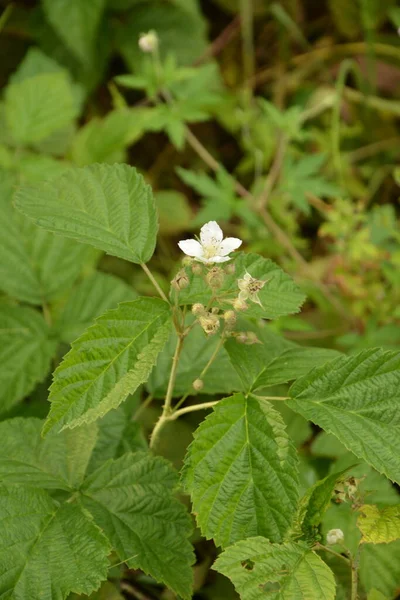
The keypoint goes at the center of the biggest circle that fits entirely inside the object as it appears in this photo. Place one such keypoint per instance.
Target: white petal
(220, 259)
(229, 245)
(191, 248)
(211, 233)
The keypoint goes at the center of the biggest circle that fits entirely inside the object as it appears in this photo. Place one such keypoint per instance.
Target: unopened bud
(198, 309)
(239, 304)
(197, 268)
(230, 269)
(334, 536)
(180, 281)
(198, 385)
(215, 278)
(148, 42)
(209, 323)
(230, 318)
(187, 261)
(247, 337)
(241, 337)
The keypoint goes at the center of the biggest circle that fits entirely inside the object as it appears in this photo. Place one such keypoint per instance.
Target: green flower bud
(215, 278)
(180, 281)
(198, 309)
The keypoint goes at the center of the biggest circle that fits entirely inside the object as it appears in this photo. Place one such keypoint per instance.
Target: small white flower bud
(334, 536)
(187, 261)
(230, 318)
(148, 42)
(198, 309)
(198, 385)
(239, 304)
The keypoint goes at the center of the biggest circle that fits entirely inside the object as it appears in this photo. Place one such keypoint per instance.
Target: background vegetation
(280, 120)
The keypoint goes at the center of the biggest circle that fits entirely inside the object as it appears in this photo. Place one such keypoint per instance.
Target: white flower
(249, 287)
(211, 248)
(334, 536)
(148, 42)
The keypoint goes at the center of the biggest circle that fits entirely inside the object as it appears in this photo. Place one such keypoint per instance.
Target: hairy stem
(168, 398)
(154, 282)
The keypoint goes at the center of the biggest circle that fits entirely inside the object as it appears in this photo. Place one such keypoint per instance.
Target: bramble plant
(182, 417)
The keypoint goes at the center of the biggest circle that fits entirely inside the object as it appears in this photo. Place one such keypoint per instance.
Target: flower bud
(148, 42)
(239, 304)
(241, 337)
(209, 323)
(215, 310)
(247, 337)
(187, 261)
(198, 309)
(230, 269)
(230, 318)
(334, 536)
(215, 278)
(197, 269)
(198, 385)
(180, 281)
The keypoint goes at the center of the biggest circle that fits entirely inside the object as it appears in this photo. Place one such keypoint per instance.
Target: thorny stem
(170, 389)
(154, 282)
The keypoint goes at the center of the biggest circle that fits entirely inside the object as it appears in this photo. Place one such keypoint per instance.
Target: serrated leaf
(356, 398)
(25, 353)
(241, 472)
(35, 266)
(197, 350)
(380, 567)
(93, 296)
(37, 537)
(291, 364)
(39, 106)
(108, 362)
(131, 500)
(259, 569)
(280, 296)
(58, 461)
(107, 206)
(379, 525)
(76, 23)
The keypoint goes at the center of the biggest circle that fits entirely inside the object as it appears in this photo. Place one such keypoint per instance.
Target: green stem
(154, 282)
(281, 398)
(319, 546)
(188, 409)
(168, 398)
(354, 575)
(246, 14)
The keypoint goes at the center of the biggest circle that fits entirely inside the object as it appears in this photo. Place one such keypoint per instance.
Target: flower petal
(211, 233)
(229, 245)
(219, 259)
(191, 248)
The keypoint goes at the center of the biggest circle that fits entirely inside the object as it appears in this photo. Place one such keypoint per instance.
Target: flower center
(211, 248)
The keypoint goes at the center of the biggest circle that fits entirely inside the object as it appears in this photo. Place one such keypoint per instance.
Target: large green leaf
(25, 353)
(357, 399)
(35, 266)
(39, 106)
(107, 206)
(47, 550)
(94, 295)
(290, 571)
(197, 350)
(130, 499)
(76, 23)
(279, 296)
(241, 472)
(380, 567)
(108, 362)
(379, 525)
(58, 461)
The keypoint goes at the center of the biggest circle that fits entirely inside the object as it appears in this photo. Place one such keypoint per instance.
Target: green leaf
(108, 207)
(76, 23)
(291, 364)
(25, 353)
(58, 461)
(379, 526)
(280, 296)
(108, 362)
(259, 569)
(93, 296)
(35, 266)
(174, 212)
(315, 503)
(47, 550)
(104, 140)
(131, 500)
(197, 350)
(39, 106)
(380, 567)
(241, 472)
(356, 398)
